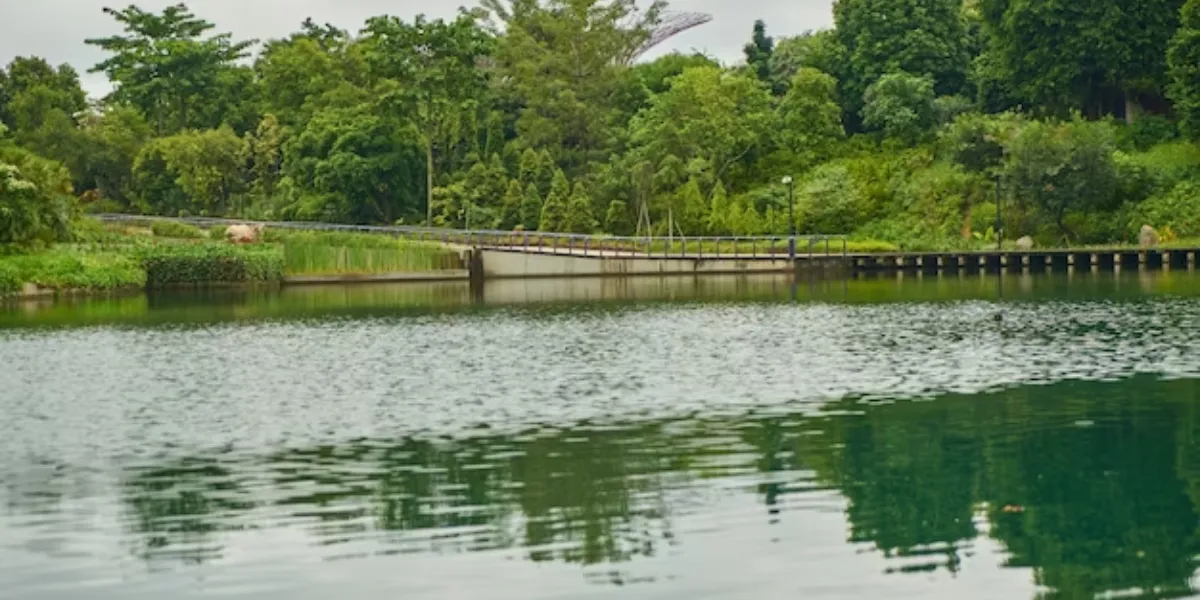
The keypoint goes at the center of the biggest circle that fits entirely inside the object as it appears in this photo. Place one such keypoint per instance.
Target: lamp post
(791, 184)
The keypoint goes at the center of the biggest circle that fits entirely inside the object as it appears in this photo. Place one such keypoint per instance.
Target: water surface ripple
(699, 450)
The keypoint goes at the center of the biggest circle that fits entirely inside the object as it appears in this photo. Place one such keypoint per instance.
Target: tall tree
(265, 148)
(810, 118)
(30, 88)
(531, 208)
(921, 37)
(435, 64)
(1183, 58)
(1098, 57)
(296, 72)
(901, 106)
(709, 121)
(166, 67)
(111, 143)
(820, 50)
(554, 210)
(580, 216)
(758, 52)
(356, 164)
(559, 62)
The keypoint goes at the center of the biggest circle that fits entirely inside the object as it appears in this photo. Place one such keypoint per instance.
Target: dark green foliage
(356, 165)
(202, 264)
(1183, 59)
(925, 38)
(554, 210)
(617, 219)
(580, 214)
(1147, 132)
(1098, 57)
(901, 106)
(531, 208)
(758, 52)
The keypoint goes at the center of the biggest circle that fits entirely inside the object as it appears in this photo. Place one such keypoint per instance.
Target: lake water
(677, 438)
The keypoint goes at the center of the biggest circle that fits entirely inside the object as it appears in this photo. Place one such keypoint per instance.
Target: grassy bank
(75, 268)
(163, 254)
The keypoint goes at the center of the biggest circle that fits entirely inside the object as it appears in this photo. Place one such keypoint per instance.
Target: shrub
(1177, 210)
(36, 205)
(1158, 169)
(830, 201)
(942, 198)
(175, 229)
(1148, 131)
(1053, 170)
(200, 264)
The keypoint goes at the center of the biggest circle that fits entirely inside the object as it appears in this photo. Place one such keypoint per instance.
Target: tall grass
(345, 253)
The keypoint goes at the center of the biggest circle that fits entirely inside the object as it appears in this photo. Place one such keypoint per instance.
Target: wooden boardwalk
(1034, 261)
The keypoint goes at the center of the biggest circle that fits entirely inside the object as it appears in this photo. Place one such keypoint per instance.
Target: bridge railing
(654, 247)
(775, 246)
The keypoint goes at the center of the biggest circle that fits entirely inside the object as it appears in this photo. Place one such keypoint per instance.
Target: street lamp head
(787, 180)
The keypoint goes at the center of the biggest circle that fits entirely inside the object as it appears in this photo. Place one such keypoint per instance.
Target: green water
(681, 438)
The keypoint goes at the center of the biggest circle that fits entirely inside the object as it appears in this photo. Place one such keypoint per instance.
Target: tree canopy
(907, 120)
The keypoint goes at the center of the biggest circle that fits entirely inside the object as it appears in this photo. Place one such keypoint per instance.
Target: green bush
(175, 229)
(36, 204)
(1162, 167)
(1175, 213)
(941, 197)
(200, 264)
(1148, 131)
(830, 201)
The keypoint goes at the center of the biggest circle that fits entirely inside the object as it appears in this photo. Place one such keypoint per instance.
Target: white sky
(55, 29)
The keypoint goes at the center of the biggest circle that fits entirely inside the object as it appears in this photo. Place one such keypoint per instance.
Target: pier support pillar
(475, 271)
(1083, 261)
(1061, 262)
(1154, 260)
(1178, 259)
(1130, 261)
(1107, 261)
(1037, 263)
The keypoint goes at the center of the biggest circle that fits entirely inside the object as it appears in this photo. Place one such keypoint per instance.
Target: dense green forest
(910, 121)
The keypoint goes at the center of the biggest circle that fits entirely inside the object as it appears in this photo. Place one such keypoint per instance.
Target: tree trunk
(1133, 108)
(429, 182)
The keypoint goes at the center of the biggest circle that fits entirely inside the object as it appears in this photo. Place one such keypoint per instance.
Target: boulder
(1025, 244)
(1148, 238)
(243, 234)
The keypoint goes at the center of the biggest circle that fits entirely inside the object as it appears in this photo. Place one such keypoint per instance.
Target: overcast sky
(55, 29)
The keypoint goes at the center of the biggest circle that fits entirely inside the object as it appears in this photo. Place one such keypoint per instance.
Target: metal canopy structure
(673, 24)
